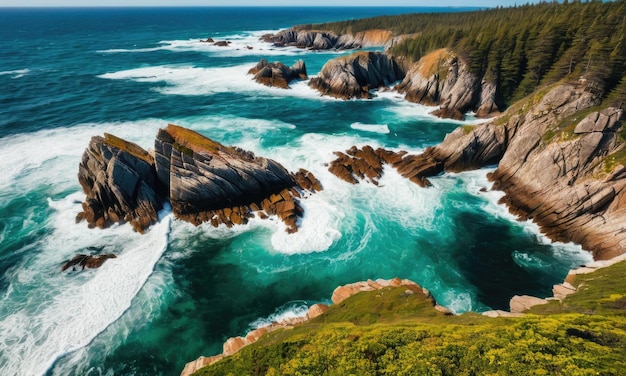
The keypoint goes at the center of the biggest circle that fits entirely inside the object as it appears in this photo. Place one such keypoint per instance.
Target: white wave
(19, 73)
(244, 44)
(191, 80)
(63, 312)
(477, 183)
(28, 164)
(403, 109)
(458, 301)
(288, 311)
(528, 261)
(375, 128)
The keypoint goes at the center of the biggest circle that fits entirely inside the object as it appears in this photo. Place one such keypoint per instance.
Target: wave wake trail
(49, 313)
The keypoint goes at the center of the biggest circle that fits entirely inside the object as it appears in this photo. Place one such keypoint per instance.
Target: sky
(385, 3)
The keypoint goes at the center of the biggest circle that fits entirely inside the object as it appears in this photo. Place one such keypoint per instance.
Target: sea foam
(19, 73)
(63, 312)
(374, 128)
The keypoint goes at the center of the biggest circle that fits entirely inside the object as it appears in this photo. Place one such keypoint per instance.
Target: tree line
(520, 48)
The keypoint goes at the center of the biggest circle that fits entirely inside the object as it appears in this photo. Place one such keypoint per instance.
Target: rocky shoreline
(519, 305)
(234, 344)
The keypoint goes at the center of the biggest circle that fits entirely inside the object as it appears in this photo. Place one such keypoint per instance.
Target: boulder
(120, 182)
(278, 74)
(316, 310)
(522, 303)
(355, 75)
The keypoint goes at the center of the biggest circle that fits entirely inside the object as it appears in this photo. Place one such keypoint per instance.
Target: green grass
(564, 130)
(389, 332)
(132, 148)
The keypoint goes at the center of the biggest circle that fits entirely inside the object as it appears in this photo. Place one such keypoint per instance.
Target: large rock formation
(278, 74)
(355, 75)
(444, 79)
(326, 40)
(120, 182)
(559, 163)
(203, 180)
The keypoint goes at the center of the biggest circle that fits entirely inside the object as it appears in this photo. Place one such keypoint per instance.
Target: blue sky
(39, 3)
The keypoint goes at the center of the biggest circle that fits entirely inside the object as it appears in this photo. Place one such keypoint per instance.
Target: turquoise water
(179, 291)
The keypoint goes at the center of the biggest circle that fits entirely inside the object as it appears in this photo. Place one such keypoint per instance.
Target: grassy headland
(389, 332)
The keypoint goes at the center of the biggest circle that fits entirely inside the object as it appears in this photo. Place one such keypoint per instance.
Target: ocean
(180, 291)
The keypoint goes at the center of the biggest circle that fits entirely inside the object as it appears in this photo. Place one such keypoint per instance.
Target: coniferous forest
(520, 48)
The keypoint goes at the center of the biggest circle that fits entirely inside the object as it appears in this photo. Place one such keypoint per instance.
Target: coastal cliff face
(326, 40)
(443, 79)
(203, 180)
(355, 75)
(559, 164)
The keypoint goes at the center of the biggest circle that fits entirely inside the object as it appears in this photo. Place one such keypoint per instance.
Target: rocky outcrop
(87, 261)
(120, 182)
(355, 75)
(367, 164)
(557, 165)
(209, 182)
(326, 40)
(441, 78)
(342, 293)
(278, 74)
(203, 180)
(568, 184)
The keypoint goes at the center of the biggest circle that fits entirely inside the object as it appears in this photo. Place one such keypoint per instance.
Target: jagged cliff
(442, 78)
(326, 40)
(560, 163)
(355, 75)
(203, 180)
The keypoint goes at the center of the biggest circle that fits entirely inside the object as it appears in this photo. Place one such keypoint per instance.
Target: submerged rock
(278, 74)
(355, 75)
(87, 261)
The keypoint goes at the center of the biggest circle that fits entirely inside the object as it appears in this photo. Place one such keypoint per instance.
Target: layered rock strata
(367, 164)
(278, 74)
(558, 162)
(444, 79)
(203, 180)
(120, 181)
(326, 40)
(355, 75)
